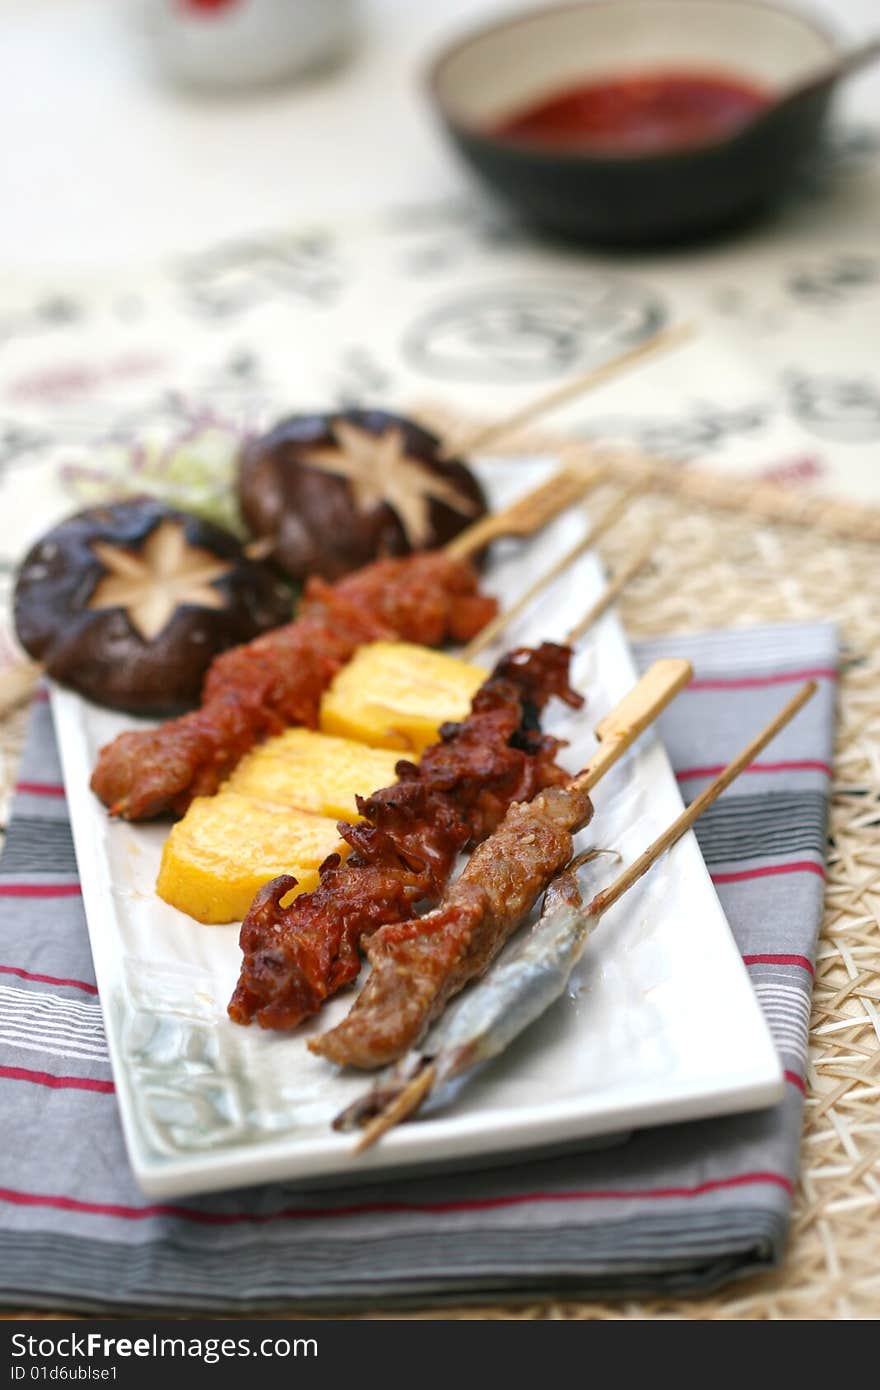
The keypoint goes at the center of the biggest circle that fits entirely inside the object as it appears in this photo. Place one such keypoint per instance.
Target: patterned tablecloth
(453, 302)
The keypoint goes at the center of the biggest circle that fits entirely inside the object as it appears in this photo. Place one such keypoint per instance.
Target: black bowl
(634, 199)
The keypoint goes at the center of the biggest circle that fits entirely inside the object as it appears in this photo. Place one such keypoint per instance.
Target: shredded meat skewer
(258, 689)
(419, 965)
(404, 850)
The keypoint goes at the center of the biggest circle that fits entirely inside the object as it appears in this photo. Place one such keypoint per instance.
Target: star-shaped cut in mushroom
(380, 470)
(152, 583)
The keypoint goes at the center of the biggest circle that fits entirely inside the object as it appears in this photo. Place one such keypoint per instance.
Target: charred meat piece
(420, 965)
(403, 852)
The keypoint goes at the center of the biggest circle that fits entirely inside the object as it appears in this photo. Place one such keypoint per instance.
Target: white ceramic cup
(243, 43)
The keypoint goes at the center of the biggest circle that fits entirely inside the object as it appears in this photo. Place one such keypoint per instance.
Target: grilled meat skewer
(405, 848)
(263, 687)
(498, 1008)
(419, 966)
(491, 1014)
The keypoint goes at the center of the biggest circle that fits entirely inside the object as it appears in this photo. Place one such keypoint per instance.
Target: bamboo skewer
(404, 1104)
(482, 435)
(608, 518)
(631, 716)
(399, 1108)
(410, 1097)
(530, 513)
(606, 899)
(610, 594)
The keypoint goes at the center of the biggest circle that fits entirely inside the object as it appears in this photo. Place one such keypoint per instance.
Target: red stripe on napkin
(40, 788)
(39, 890)
(234, 1218)
(798, 866)
(47, 979)
(55, 1083)
(796, 765)
(815, 673)
(780, 960)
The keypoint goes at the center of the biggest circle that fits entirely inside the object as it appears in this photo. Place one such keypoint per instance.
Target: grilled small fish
(494, 1011)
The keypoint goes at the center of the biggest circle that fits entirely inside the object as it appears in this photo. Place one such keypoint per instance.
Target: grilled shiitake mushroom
(129, 603)
(333, 492)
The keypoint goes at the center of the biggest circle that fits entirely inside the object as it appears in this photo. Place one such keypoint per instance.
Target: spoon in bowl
(818, 86)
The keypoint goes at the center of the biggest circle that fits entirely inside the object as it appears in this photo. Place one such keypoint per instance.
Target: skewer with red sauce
(638, 113)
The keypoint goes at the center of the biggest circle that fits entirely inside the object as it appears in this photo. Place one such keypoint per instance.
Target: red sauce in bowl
(648, 113)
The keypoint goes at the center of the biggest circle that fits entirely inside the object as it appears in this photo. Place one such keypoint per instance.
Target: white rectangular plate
(659, 1024)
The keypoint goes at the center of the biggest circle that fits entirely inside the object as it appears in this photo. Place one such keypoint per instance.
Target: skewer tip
(403, 1104)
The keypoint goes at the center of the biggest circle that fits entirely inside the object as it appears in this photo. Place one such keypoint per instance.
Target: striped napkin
(679, 1209)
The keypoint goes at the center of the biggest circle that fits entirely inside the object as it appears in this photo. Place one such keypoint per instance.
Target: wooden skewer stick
(683, 823)
(483, 435)
(404, 1103)
(527, 514)
(608, 518)
(631, 716)
(610, 594)
(413, 1093)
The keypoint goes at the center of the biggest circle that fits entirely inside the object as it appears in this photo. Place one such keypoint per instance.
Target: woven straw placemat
(714, 567)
